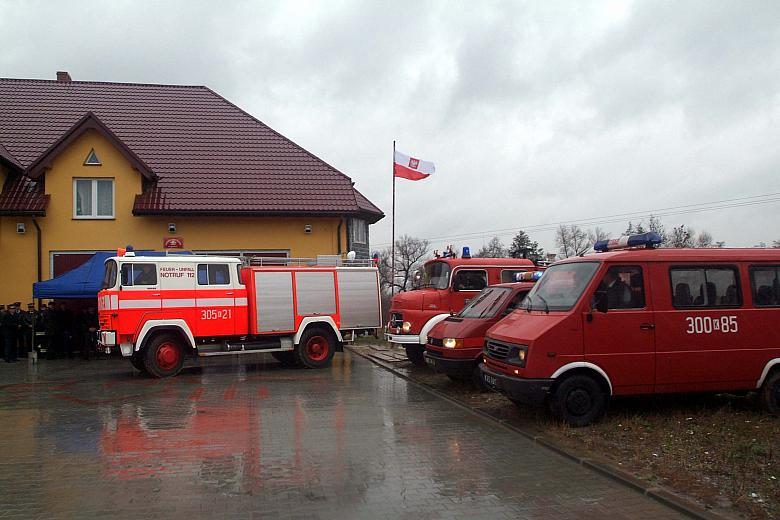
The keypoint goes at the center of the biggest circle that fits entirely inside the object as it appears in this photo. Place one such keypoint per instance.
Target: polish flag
(410, 168)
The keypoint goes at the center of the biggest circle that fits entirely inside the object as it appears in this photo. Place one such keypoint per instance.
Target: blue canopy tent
(84, 281)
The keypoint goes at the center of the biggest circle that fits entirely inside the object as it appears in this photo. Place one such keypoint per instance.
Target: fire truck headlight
(406, 326)
(518, 355)
(452, 343)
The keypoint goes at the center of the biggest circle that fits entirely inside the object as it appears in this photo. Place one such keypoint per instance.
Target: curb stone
(665, 497)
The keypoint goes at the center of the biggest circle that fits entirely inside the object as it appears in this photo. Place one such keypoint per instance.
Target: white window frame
(94, 216)
(362, 225)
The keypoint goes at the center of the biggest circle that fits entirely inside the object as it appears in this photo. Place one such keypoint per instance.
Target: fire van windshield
(436, 275)
(109, 277)
(560, 287)
(486, 304)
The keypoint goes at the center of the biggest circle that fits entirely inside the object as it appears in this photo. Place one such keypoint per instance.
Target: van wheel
(578, 400)
(137, 360)
(316, 348)
(164, 356)
(477, 381)
(414, 353)
(770, 393)
(287, 359)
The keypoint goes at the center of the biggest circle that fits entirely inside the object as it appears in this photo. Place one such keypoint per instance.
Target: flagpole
(392, 243)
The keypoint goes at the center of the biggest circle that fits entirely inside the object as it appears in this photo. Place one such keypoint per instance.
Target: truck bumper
(528, 391)
(450, 366)
(403, 339)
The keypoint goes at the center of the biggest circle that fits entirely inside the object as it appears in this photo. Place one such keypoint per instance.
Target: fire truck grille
(497, 350)
(396, 320)
(436, 342)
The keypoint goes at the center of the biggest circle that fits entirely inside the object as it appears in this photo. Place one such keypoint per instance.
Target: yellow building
(88, 166)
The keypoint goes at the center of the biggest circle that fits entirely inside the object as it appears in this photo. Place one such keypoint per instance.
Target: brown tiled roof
(22, 196)
(207, 155)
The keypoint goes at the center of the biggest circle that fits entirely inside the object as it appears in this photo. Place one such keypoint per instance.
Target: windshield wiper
(546, 307)
(490, 308)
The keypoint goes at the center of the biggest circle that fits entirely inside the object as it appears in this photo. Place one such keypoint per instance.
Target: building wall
(61, 232)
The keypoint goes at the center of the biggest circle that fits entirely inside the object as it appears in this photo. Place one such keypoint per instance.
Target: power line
(738, 202)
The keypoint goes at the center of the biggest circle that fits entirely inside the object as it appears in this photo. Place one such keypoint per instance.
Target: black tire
(316, 348)
(477, 381)
(137, 360)
(578, 400)
(164, 355)
(287, 359)
(414, 353)
(770, 393)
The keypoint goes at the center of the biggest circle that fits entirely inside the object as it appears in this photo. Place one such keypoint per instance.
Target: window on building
(359, 231)
(213, 274)
(705, 287)
(92, 159)
(93, 198)
(765, 284)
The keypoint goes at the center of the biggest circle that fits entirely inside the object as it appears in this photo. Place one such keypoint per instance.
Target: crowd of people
(55, 329)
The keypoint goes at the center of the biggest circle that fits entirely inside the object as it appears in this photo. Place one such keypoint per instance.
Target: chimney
(63, 76)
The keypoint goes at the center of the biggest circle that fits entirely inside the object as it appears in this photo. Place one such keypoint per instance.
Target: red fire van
(641, 321)
(446, 286)
(455, 344)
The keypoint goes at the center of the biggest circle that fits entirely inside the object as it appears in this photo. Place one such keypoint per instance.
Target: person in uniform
(27, 319)
(10, 326)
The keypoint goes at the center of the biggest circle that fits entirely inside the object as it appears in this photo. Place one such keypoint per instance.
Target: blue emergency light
(648, 240)
(466, 252)
(527, 276)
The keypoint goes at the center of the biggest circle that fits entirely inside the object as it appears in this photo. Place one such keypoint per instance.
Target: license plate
(430, 362)
(489, 379)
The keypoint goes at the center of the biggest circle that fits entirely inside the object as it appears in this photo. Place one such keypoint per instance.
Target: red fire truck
(156, 310)
(641, 321)
(446, 285)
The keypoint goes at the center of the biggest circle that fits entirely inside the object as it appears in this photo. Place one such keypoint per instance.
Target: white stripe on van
(170, 303)
(139, 304)
(241, 302)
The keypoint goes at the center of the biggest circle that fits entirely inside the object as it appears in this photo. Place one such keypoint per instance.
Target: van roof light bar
(648, 240)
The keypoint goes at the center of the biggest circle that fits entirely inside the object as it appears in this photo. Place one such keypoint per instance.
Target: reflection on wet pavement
(244, 438)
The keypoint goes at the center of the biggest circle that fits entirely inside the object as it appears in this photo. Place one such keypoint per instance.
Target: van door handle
(229, 293)
(647, 326)
(156, 294)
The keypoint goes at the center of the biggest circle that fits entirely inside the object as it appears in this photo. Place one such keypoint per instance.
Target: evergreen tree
(523, 247)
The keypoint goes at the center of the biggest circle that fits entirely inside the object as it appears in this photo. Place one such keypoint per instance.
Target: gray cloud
(533, 112)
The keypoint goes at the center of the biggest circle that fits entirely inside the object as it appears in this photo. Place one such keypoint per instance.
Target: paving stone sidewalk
(243, 437)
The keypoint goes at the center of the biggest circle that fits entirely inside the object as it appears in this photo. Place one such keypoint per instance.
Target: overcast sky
(533, 112)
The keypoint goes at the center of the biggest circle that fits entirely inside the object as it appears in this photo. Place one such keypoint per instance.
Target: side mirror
(600, 302)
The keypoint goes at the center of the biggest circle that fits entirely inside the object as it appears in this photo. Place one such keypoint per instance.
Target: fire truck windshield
(109, 277)
(560, 287)
(436, 275)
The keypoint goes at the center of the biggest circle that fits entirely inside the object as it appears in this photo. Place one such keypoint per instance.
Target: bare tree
(494, 249)
(681, 236)
(596, 234)
(704, 239)
(571, 240)
(409, 255)
(776, 243)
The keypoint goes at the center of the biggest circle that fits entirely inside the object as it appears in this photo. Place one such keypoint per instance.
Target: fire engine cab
(446, 285)
(156, 310)
(633, 319)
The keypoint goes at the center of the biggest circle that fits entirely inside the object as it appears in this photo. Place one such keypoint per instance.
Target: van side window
(139, 274)
(509, 275)
(624, 287)
(765, 284)
(469, 280)
(213, 274)
(705, 287)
